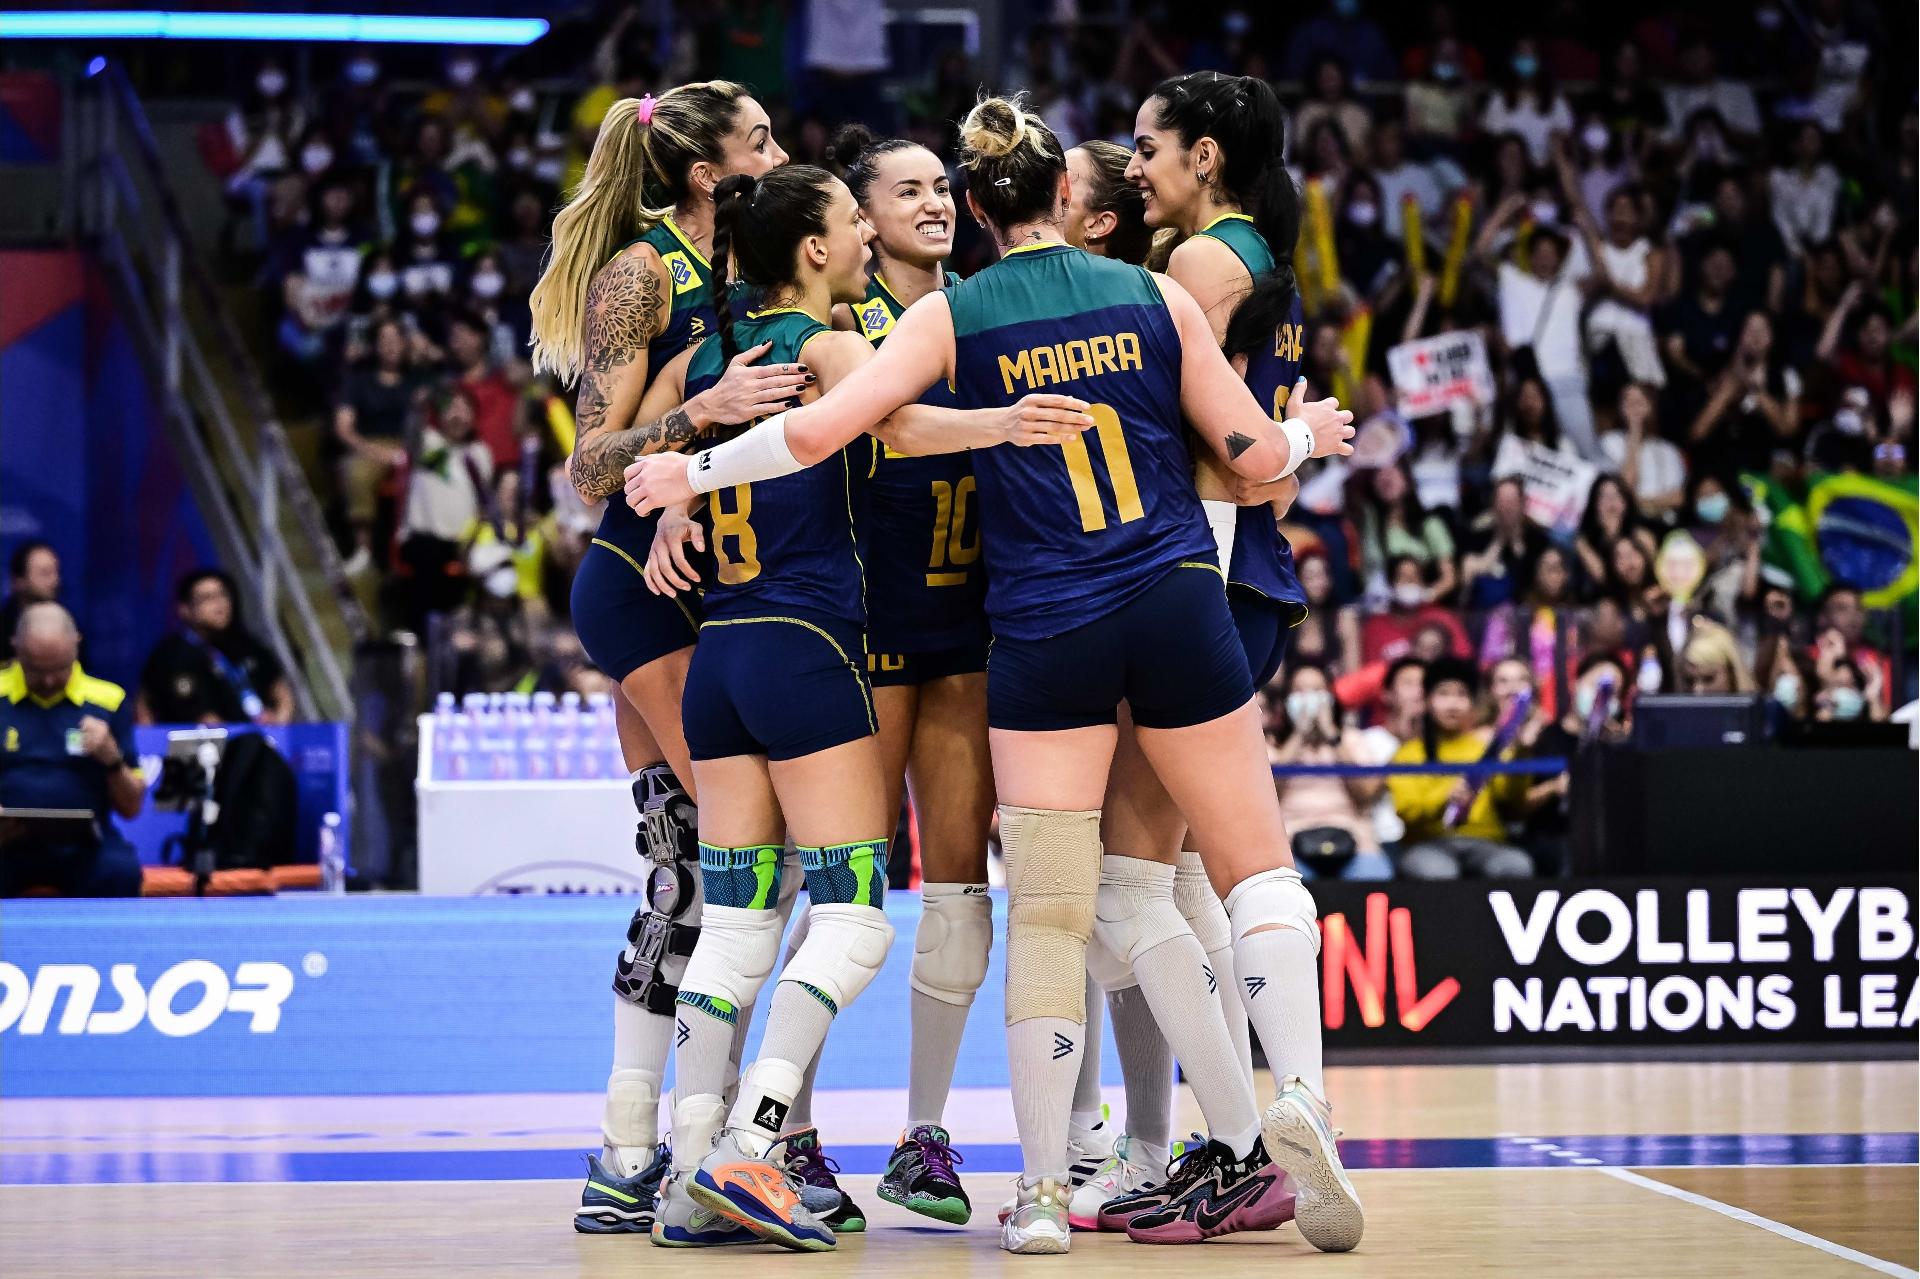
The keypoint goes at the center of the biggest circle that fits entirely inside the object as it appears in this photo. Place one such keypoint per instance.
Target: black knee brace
(668, 840)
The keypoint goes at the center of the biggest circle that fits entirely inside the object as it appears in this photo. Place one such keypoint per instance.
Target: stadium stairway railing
(257, 502)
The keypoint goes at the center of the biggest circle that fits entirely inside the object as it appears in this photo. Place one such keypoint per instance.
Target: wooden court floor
(1604, 1170)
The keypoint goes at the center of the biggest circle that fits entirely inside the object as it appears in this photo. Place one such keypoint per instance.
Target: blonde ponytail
(644, 144)
(606, 211)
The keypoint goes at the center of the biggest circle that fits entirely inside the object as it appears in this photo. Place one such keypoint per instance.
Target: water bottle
(565, 740)
(453, 748)
(333, 862)
(535, 744)
(443, 712)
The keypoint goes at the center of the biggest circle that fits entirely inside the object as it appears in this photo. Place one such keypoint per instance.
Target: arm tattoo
(1238, 444)
(623, 315)
(600, 464)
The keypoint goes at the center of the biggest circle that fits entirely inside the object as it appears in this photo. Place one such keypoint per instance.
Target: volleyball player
(1207, 165)
(624, 291)
(1101, 589)
(779, 718)
(927, 631)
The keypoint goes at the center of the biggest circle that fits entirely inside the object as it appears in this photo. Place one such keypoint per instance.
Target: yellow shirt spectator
(1421, 800)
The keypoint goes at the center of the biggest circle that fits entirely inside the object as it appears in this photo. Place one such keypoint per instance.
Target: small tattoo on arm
(1238, 444)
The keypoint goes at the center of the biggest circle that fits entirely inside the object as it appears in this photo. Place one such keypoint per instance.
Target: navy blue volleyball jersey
(1074, 531)
(926, 587)
(1262, 559)
(791, 543)
(689, 320)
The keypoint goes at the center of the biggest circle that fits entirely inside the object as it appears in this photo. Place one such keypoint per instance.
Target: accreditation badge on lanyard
(235, 675)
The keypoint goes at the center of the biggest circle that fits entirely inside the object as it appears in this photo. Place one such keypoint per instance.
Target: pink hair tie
(645, 113)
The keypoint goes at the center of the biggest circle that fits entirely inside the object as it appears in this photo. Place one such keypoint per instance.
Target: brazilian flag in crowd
(1847, 527)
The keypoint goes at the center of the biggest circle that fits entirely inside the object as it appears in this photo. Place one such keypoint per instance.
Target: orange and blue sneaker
(1231, 1195)
(820, 1188)
(760, 1194)
(679, 1222)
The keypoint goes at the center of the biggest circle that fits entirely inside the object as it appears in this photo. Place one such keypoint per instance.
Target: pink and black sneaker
(1229, 1195)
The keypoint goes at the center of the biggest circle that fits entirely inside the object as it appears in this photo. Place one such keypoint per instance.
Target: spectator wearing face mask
(425, 262)
(1724, 525)
(263, 133)
(1367, 256)
(1840, 621)
(1332, 833)
(1475, 844)
(1527, 103)
(317, 274)
(1844, 692)
(1391, 634)
(1625, 103)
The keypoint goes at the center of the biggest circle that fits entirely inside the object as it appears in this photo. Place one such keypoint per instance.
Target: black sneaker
(807, 1160)
(1234, 1195)
(1184, 1171)
(920, 1176)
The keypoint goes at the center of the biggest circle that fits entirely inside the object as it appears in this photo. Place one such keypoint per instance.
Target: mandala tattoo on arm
(623, 315)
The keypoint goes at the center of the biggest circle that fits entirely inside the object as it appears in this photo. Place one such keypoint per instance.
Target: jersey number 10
(951, 549)
(1113, 447)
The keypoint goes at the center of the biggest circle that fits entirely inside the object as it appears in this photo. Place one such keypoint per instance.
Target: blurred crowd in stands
(1624, 302)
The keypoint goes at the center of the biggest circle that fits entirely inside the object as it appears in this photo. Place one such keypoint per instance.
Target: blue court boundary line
(1678, 1150)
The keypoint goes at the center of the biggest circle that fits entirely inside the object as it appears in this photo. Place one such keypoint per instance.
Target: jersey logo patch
(13, 739)
(875, 320)
(696, 329)
(770, 1114)
(681, 271)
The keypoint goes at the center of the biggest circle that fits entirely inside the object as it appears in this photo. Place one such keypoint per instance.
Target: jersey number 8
(736, 550)
(1113, 447)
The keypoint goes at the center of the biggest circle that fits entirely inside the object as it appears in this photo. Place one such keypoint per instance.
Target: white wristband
(761, 453)
(1299, 446)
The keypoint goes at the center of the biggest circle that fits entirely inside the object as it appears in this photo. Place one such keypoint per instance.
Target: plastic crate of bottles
(521, 737)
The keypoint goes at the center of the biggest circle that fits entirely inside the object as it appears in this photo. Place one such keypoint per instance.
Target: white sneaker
(1088, 1149)
(1119, 1175)
(1038, 1222)
(1300, 1138)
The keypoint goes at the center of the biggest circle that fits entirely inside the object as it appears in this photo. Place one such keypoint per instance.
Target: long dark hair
(1630, 518)
(1243, 116)
(758, 224)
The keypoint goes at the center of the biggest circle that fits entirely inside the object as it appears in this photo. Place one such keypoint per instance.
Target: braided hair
(758, 224)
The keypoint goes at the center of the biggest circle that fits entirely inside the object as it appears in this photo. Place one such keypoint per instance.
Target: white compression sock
(1043, 1056)
(1276, 951)
(951, 947)
(1146, 1068)
(1208, 918)
(630, 1123)
(1137, 911)
(1086, 1084)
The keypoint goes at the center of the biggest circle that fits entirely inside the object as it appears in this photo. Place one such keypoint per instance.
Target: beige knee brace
(1053, 873)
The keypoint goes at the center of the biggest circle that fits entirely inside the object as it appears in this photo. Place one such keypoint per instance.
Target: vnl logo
(183, 1000)
(1345, 960)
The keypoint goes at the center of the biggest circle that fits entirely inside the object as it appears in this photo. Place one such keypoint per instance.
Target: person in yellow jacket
(1475, 846)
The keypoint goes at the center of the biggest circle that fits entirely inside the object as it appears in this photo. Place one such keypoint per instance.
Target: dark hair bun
(849, 144)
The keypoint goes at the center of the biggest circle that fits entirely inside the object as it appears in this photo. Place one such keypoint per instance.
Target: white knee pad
(846, 945)
(631, 1119)
(1108, 970)
(735, 956)
(1274, 897)
(951, 946)
(696, 1122)
(1134, 910)
(1193, 894)
(1053, 873)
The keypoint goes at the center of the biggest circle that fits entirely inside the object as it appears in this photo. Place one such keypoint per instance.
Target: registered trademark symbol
(314, 964)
